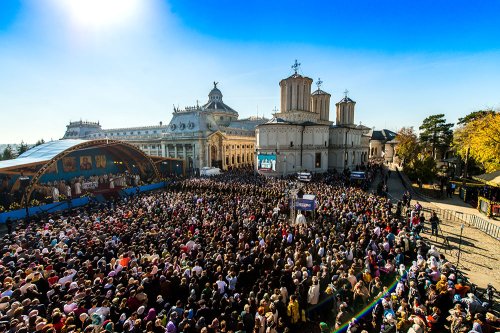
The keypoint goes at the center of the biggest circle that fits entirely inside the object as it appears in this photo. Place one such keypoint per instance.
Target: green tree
(436, 133)
(422, 168)
(8, 153)
(474, 116)
(22, 148)
(39, 142)
(408, 147)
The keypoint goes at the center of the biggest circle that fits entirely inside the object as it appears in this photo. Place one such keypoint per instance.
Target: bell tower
(296, 92)
(345, 111)
(320, 102)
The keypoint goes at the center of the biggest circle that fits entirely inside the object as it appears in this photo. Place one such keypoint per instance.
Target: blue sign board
(357, 175)
(305, 204)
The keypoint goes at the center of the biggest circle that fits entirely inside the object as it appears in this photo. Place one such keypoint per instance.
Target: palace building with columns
(301, 137)
(210, 135)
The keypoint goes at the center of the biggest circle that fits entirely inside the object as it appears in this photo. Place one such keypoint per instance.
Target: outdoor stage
(79, 202)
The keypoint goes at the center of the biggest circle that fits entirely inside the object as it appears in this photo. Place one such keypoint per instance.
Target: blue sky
(127, 62)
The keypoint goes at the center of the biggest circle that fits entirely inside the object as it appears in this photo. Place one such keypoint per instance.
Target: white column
(207, 150)
(193, 149)
(201, 154)
(327, 108)
(175, 150)
(163, 149)
(297, 97)
(307, 105)
(283, 97)
(223, 159)
(289, 97)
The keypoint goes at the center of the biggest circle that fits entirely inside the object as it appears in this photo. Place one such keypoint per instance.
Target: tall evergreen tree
(8, 153)
(436, 133)
(22, 148)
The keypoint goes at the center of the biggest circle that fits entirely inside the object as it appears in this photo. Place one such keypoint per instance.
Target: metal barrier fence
(477, 222)
(483, 225)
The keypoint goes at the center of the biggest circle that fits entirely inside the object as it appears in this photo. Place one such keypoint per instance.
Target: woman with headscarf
(432, 296)
(109, 327)
(361, 294)
(456, 319)
(442, 285)
(96, 323)
(151, 316)
(121, 321)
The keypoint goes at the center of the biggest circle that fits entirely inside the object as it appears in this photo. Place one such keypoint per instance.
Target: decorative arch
(115, 147)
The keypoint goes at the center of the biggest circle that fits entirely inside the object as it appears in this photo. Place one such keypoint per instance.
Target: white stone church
(302, 137)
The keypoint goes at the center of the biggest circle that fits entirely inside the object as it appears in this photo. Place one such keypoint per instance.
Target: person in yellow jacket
(293, 310)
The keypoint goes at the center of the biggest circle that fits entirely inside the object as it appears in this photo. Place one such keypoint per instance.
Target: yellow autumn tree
(481, 137)
(407, 148)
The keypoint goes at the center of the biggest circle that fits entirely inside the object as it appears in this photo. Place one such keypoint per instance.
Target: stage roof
(38, 160)
(41, 153)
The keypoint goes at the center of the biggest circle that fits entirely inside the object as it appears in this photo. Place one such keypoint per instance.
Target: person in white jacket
(313, 298)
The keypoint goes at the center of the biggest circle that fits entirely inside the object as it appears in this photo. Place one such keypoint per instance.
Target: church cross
(346, 92)
(296, 66)
(319, 83)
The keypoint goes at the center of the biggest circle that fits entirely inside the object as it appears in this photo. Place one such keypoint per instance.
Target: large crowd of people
(220, 254)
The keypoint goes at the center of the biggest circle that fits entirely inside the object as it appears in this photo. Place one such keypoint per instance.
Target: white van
(208, 171)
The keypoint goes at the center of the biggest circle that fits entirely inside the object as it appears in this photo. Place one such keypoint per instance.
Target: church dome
(216, 104)
(346, 100)
(215, 94)
(320, 92)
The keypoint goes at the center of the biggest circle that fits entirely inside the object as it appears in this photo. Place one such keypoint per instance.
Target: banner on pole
(306, 203)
